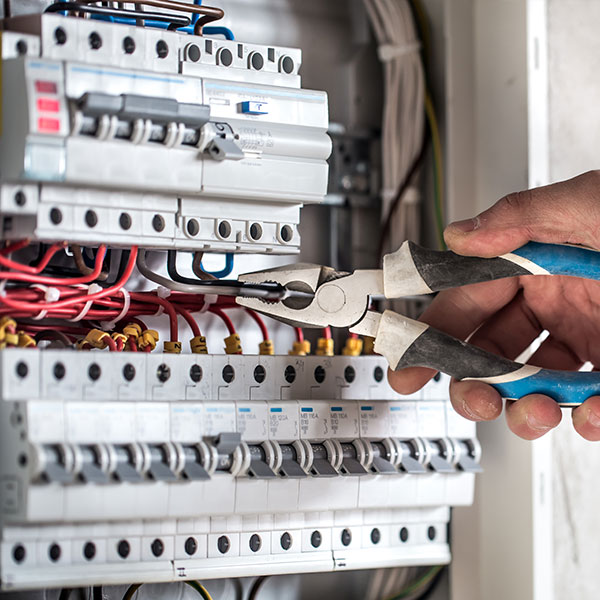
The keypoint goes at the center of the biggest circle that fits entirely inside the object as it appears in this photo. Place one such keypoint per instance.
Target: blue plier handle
(342, 300)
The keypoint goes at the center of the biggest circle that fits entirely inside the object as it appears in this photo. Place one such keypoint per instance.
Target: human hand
(505, 316)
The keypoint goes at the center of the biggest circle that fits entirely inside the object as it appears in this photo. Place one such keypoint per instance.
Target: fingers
(458, 312)
(586, 419)
(568, 211)
(475, 400)
(532, 416)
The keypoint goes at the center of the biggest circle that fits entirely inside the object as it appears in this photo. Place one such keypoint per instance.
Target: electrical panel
(112, 131)
(124, 462)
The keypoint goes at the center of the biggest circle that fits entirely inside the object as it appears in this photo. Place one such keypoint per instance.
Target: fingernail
(465, 226)
(536, 424)
(470, 412)
(593, 418)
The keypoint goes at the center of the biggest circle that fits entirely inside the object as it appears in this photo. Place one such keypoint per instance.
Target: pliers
(338, 299)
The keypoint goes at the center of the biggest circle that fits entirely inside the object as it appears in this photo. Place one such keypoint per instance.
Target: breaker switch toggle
(293, 456)
(259, 463)
(54, 463)
(93, 464)
(321, 465)
(127, 464)
(468, 453)
(194, 463)
(409, 457)
(384, 453)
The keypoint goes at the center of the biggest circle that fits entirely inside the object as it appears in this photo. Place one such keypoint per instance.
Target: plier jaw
(318, 296)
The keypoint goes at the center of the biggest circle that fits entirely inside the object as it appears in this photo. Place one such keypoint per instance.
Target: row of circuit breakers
(122, 467)
(155, 467)
(112, 132)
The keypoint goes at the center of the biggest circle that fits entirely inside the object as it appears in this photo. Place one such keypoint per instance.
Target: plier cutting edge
(338, 299)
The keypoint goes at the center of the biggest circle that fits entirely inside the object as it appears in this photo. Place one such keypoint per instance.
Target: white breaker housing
(141, 467)
(113, 133)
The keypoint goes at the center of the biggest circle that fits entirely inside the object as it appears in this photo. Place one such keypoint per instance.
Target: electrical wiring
(52, 335)
(403, 115)
(50, 252)
(420, 585)
(167, 307)
(208, 14)
(227, 269)
(260, 322)
(82, 266)
(200, 589)
(438, 168)
(131, 590)
(226, 288)
(40, 306)
(13, 247)
(299, 334)
(327, 333)
(197, 268)
(225, 318)
(31, 278)
(258, 583)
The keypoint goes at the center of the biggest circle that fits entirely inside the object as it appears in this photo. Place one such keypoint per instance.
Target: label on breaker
(374, 420)
(186, 422)
(343, 420)
(403, 419)
(283, 421)
(118, 421)
(431, 419)
(252, 419)
(152, 421)
(83, 421)
(45, 421)
(219, 417)
(314, 421)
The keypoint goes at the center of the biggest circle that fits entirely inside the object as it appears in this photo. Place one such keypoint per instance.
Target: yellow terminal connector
(300, 348)
(132, 330)
(369, 345)
(198, 345)
(119, 336)
(26, 341)
(324, 347)
(233, 345)
(7, 338)
(266, 347)
(149, 337)
(94, 338)
(353, 347)
(172, 347)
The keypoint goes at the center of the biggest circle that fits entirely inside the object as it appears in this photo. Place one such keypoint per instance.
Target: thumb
(565, 212)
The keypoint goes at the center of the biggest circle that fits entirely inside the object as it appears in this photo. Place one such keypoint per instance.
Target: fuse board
(125, 457)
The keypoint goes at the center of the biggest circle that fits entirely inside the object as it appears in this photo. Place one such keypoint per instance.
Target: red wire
(327, 333)
(30, 278)
(260, 323)
(14, 247)
(189, 319)
(168, 307)
(13, 264)
(354, 336)
(228, 322)
(299, 334)
(81, 299)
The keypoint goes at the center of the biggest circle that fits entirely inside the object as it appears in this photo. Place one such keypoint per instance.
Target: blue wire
(196, 16)
(220, 30)
(224, 272)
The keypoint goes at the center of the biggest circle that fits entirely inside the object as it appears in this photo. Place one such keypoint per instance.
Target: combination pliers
(339, 299)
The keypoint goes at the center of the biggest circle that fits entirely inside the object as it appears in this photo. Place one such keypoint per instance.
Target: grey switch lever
(258, 464)
(466, 461)
(380, 464)
(440, 465)
(350, 463)
(408, 462)
(125, 468)
(159, 470)
(192, 468)
(289, 464)
(55, 469)
(90, 471)
(320, 464)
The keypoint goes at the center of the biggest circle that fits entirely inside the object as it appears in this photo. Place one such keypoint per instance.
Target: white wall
(574, 83)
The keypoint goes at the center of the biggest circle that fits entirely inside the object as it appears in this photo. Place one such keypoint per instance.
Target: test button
(253, 107)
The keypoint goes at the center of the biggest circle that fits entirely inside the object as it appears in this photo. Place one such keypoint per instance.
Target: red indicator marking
(48, 125)
(48, 105)
(46, 87)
